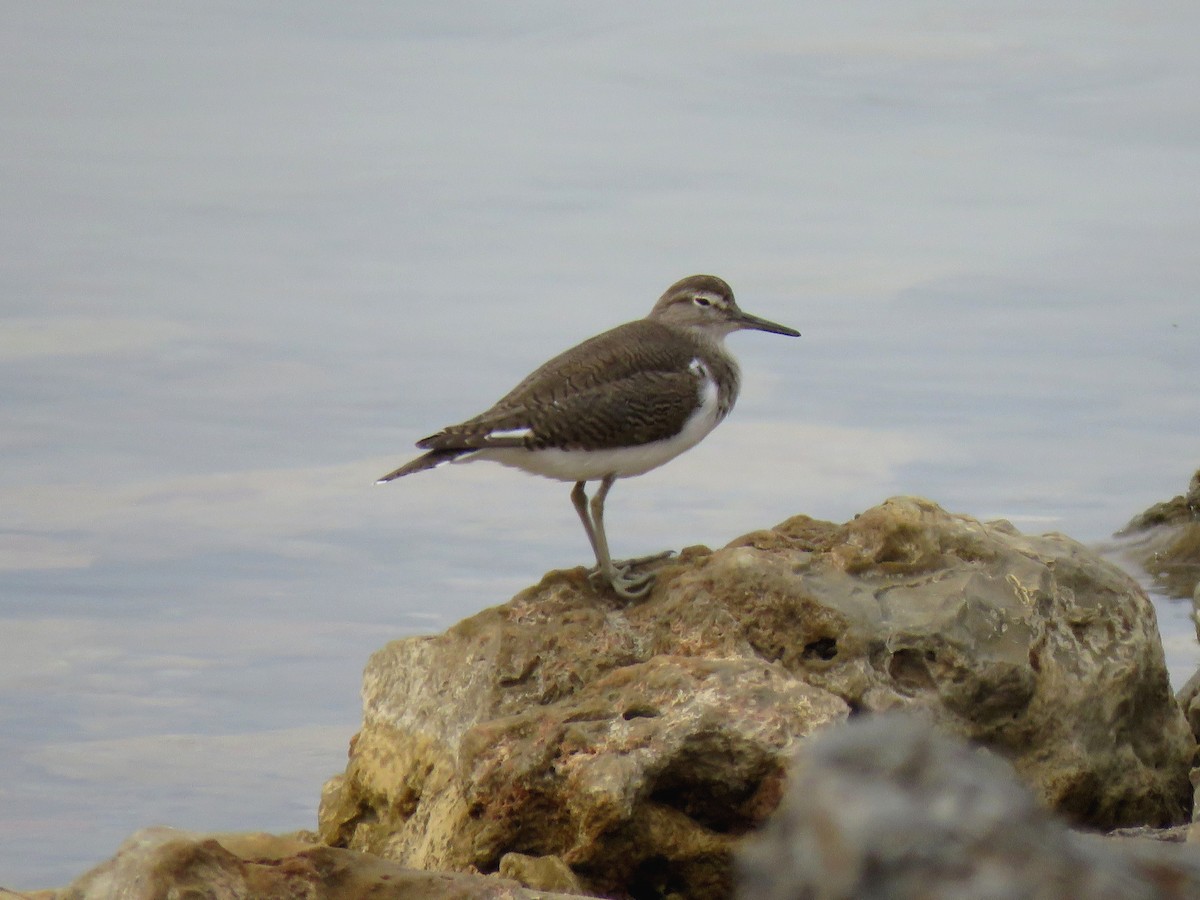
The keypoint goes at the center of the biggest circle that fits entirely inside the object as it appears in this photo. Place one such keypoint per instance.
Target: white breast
(624, 462)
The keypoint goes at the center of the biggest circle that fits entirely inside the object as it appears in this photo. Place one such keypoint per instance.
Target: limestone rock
(162, 862)
(884, 807)
(1178, 510)
(546, 873)
(651, 766)
(636, 743)
(1165, 541)
(1189, 701)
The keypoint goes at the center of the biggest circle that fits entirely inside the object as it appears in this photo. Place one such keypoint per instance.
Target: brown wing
(629, 349)
(630, 385)
(646, 407)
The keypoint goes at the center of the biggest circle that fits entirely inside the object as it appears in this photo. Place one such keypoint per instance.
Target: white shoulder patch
(511, 433)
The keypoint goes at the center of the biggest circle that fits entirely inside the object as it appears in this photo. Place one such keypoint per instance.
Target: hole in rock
(909, 668)
(712, 804)
(825, 648)
(640, 712)
(655, 878)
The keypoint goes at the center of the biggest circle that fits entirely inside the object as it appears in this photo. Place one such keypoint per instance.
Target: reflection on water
(253, 256)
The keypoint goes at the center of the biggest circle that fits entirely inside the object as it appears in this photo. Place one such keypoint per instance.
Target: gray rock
(1165, 542)
(1178, 510)
(635, 743)
(1189, 702)
(885, 807)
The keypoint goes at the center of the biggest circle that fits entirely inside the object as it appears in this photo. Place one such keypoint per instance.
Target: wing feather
(630, 385)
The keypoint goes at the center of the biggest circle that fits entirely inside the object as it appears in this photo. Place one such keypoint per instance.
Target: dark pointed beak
(754, 323)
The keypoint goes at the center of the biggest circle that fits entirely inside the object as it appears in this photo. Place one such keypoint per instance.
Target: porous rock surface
(163, 863)
(887, 809)
(629, 746)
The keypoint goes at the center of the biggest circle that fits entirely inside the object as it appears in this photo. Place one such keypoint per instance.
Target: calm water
(252, 251)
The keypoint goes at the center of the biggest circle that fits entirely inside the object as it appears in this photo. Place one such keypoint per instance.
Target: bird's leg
(616, 571)
(580, 501)
(631, 587)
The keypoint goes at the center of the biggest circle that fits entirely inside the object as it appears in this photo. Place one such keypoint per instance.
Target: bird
(615, 406)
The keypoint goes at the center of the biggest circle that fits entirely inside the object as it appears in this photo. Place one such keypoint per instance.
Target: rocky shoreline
(933, 698)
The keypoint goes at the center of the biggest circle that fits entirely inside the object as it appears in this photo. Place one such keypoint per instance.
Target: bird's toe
(632, 587)
(626, 564)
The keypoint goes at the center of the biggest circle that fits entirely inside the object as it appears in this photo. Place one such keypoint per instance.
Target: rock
(636, 743)
(885, 807)
(1176, 834)
(546, 873)
(1189, 701)
(161, 862)
(651, 767)
(1165, 541)
(1180, 510)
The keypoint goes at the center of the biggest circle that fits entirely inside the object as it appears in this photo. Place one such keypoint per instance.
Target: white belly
(623, 462)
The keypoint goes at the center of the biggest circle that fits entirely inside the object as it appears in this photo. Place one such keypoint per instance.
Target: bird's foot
(630, 587)
(624, 582)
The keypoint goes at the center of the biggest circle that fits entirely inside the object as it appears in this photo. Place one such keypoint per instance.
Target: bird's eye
(701, 300)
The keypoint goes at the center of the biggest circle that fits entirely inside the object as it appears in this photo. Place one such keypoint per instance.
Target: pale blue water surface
(252, 251)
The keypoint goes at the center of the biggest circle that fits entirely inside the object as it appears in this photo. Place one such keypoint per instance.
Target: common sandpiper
(618, 405)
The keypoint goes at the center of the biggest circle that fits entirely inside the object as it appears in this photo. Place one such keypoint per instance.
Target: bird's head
(704, 303)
